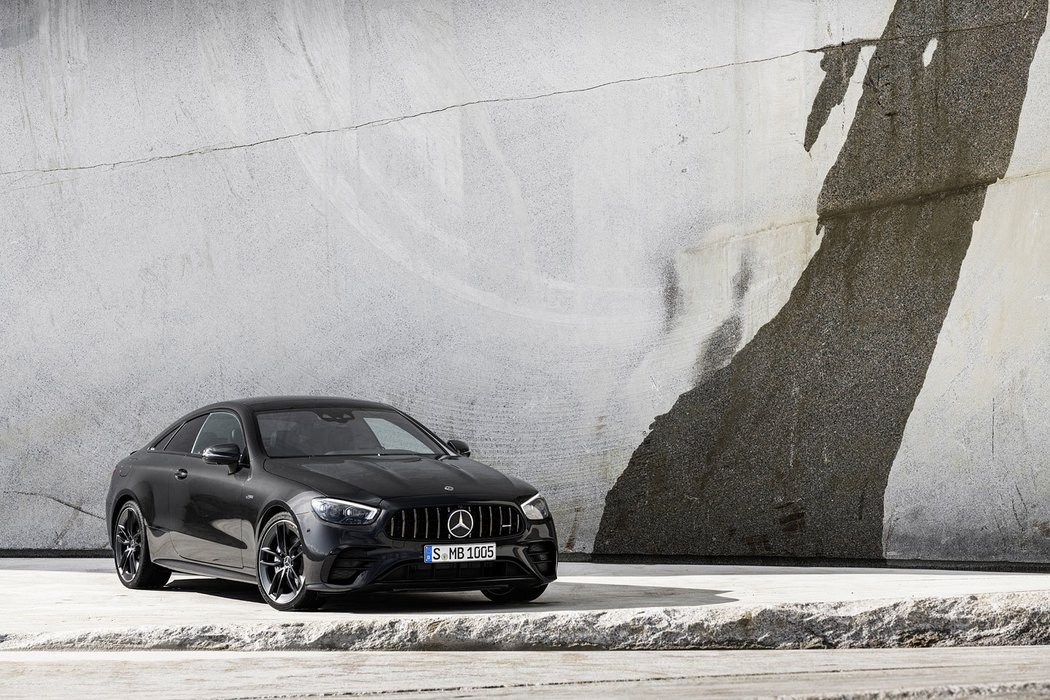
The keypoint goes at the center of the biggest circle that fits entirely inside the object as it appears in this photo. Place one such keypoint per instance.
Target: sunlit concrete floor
(54, 611)
(1015, 672)
(69, 595)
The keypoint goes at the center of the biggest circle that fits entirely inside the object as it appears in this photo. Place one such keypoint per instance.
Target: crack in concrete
(204, 150)
(56, 500)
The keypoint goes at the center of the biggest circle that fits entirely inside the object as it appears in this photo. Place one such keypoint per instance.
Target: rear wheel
(514, 594)
(131, 551)
(280, 563)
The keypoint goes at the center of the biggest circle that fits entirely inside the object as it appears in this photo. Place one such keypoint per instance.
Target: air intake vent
(465, 571)
(544, 556)
(480, 521)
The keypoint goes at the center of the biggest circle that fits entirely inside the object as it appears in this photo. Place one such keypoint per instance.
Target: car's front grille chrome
(431, 523)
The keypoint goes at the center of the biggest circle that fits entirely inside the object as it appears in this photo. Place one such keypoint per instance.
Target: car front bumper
(341, 559)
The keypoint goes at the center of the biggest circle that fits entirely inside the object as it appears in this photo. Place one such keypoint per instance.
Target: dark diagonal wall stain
(838, 66)
(787, 449)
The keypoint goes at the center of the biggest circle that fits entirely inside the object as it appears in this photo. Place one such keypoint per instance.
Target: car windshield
(322, 432)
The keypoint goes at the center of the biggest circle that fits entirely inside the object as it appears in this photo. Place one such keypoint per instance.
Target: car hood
(375, 479)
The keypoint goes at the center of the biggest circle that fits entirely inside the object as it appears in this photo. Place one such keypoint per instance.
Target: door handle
(181, 474)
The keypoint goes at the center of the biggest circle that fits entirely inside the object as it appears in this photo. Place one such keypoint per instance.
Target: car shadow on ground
(559, 597)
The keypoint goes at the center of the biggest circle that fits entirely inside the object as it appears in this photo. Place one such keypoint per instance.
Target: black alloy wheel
(514, 594)
(135, 569)
(280, 566)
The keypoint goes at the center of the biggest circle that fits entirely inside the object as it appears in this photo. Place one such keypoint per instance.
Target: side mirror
(228, 454)
(459, 447)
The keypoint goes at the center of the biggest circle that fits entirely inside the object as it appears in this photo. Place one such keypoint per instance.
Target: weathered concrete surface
(53, 605)
(1016, 672)
(536, 226)
(520, 222)
(981, 489)
(787, 448)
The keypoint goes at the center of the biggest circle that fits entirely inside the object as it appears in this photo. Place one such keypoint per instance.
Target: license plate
(442, 553)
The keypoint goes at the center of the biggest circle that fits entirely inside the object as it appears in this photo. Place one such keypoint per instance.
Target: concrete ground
(77, 595)
(615, 629)
(1014, 672)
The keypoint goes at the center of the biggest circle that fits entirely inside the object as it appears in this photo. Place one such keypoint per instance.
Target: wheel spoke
(282, 539)
(275, 584)
(123, 564)
(293, 580)
(296, 550)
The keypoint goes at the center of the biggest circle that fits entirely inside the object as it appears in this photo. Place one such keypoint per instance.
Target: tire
(514, 594)
(279, 562)
(131, 556)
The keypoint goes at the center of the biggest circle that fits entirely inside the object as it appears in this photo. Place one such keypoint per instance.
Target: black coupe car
(306, 496)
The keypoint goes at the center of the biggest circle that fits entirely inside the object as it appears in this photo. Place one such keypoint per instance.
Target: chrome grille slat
(429, 523)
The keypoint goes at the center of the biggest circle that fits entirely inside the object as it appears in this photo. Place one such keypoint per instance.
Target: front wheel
(135, 569)
(280, 564)
(514, 594)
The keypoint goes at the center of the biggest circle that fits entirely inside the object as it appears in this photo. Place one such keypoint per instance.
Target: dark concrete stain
(721, 345)
(838, 65)
(24, 28)
(672, 294)
(787, 449)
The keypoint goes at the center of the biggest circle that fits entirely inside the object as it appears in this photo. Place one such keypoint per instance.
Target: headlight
(343, 512)
(536, 508)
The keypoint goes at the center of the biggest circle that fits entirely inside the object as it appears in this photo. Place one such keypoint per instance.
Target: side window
(391, 437)
(159, 444)
(221, 428)
(184, 439)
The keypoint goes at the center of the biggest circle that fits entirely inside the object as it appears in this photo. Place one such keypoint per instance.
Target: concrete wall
(807, 235)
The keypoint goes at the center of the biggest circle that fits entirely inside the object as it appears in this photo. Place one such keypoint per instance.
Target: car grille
(431, 523)
(464, 571)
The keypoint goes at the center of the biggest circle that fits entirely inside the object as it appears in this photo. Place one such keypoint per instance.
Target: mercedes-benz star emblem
(460, 523)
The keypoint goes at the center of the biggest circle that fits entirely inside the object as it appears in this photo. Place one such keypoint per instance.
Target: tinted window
(317, 432)
(220, 429)
(159, 444)
(184, 439)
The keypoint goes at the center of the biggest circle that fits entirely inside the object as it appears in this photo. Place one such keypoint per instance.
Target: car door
(158, 467)
(205, 499)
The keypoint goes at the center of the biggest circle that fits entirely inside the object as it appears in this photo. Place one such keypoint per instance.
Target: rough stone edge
(1017, 690)
(977, 620)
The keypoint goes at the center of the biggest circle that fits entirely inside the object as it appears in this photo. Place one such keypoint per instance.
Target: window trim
(173, 452)
(165, 438)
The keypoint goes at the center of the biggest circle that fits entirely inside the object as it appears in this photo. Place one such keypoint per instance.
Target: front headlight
(343, 512)
(536, 508)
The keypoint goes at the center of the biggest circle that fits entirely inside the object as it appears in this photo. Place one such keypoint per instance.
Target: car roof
(266, 403)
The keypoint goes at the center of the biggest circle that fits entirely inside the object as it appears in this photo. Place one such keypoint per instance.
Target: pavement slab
(1016, 672)
(79, 604)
